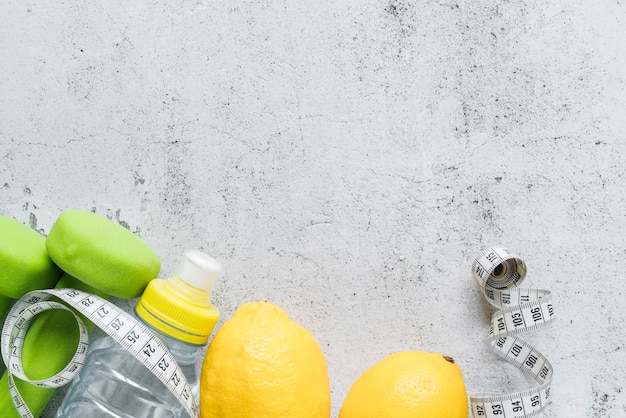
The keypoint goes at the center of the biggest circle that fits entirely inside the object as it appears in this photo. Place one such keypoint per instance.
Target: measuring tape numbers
(127, 331)
(499, 273)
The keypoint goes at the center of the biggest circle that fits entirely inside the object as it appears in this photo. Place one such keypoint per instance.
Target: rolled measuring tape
(499, 272)
(128, 332)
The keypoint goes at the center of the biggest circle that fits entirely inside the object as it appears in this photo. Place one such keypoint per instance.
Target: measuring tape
(128, 332)
(499, 272)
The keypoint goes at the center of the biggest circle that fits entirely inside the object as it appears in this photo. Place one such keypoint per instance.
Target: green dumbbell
(99, 256)
(24, 263)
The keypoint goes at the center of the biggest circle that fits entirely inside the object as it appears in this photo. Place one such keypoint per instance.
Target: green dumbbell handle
(54, 332)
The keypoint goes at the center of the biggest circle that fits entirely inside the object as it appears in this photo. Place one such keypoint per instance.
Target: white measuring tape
(131, 334)
(499, 272)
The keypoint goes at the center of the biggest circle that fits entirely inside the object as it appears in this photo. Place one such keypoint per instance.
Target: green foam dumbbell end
(24, 262)
(102, 253)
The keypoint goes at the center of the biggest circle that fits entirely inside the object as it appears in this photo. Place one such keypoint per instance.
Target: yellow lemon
(261, 364)
(408, 384)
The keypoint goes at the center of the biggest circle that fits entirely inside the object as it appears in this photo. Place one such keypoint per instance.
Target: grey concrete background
(345, 160)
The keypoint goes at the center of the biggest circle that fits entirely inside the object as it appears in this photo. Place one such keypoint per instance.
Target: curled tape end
(499, 273)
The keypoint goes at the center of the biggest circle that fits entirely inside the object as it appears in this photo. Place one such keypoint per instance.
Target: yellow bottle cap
(180, 307)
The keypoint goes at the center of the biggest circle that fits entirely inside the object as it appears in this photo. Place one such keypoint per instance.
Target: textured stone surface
(345, 160)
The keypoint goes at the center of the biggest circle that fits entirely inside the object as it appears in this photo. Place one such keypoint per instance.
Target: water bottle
(179, 311)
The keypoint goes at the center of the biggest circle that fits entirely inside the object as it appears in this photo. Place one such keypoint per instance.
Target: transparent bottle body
(115, 384)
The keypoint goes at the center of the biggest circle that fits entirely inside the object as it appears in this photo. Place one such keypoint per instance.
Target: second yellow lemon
(409, 385)
(261, 364)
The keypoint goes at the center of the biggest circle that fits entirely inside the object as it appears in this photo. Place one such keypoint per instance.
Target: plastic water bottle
(179, 310)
